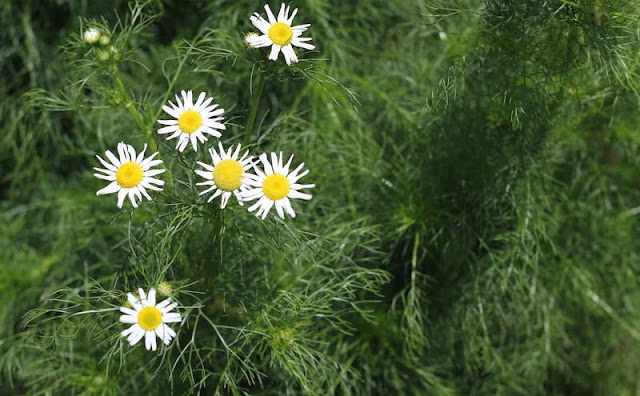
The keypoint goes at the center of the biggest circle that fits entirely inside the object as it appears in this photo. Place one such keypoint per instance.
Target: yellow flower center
(227, 174)
(190, 121)
(129, 174)
(275, 187)
(281, 33)
(149, 318)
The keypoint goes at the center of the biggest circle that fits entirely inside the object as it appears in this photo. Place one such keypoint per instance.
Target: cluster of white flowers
(192, 122)
(232, 172)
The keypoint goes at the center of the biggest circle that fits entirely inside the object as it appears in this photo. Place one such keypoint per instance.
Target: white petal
(171, 111)
(215, 195)
(163, 304)
(135, 333)
(128, 311)
(122, 152)
(281, 15)
(293, 14)
(168, 308)
(259, 41)
(168, 122)
(128, 319)
(107, 165)
(122, 194)
(135, 302)
(132, 153)
(149, 337)
(153, 172)
(272, 19)
(298, 195)
(114, 160)
(168, 129)
(201, 98)
(260, 23)
(287, 207)
(172, 317)
(275, 50)
(225, 199)
(152, 296)
(298, 42)
(162, 333)
(289, 54)
(279, 210)
(132, 197)
(300, 28)
(110, 189)
(207, 175)
(105, 177)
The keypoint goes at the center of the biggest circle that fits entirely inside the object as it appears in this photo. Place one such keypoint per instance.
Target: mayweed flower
(227, 175)
(192, 121)
(275, 186)
(149, 320)
(279, 34)
(91, 35)
(129, 174)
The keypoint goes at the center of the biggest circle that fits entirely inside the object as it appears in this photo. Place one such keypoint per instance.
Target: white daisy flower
(275, 186)
(129, 174)
(279, 34)
(149, 320)
(91, 35)
(192, 120)
(227, 175)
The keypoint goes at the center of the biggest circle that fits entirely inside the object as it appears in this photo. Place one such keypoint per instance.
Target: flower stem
(253, 112)
(129, 104)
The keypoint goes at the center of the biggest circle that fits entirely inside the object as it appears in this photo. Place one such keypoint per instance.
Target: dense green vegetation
(473, 229)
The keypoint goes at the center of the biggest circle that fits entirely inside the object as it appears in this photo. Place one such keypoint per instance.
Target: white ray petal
(289, 54)
(275, 50)
(128, 319)
(110, 189)
(272, 19)
(122, 194)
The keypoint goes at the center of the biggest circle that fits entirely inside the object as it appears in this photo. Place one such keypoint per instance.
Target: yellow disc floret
(190, 121)
(275, 187)
(281, 33)
(149, 318)
(227, 174)
(129, 174)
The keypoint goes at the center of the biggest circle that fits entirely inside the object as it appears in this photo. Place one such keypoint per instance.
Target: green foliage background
(474, 229)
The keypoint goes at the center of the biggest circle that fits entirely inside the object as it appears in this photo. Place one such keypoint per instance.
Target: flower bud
(91, 35)
(247, 39)
(165, 289)
(103, 55)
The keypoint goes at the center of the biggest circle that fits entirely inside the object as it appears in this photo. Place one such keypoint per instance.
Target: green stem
(253, 112)
(571, 3)
(131, 107)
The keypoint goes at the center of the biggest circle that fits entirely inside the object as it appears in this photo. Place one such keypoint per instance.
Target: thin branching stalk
(253, 111)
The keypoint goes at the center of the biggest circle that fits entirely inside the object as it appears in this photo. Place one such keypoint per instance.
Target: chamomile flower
(130, 174)
(192, 120)
(275, 186)
(149, 320)
(279, 34)
(227, 176)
